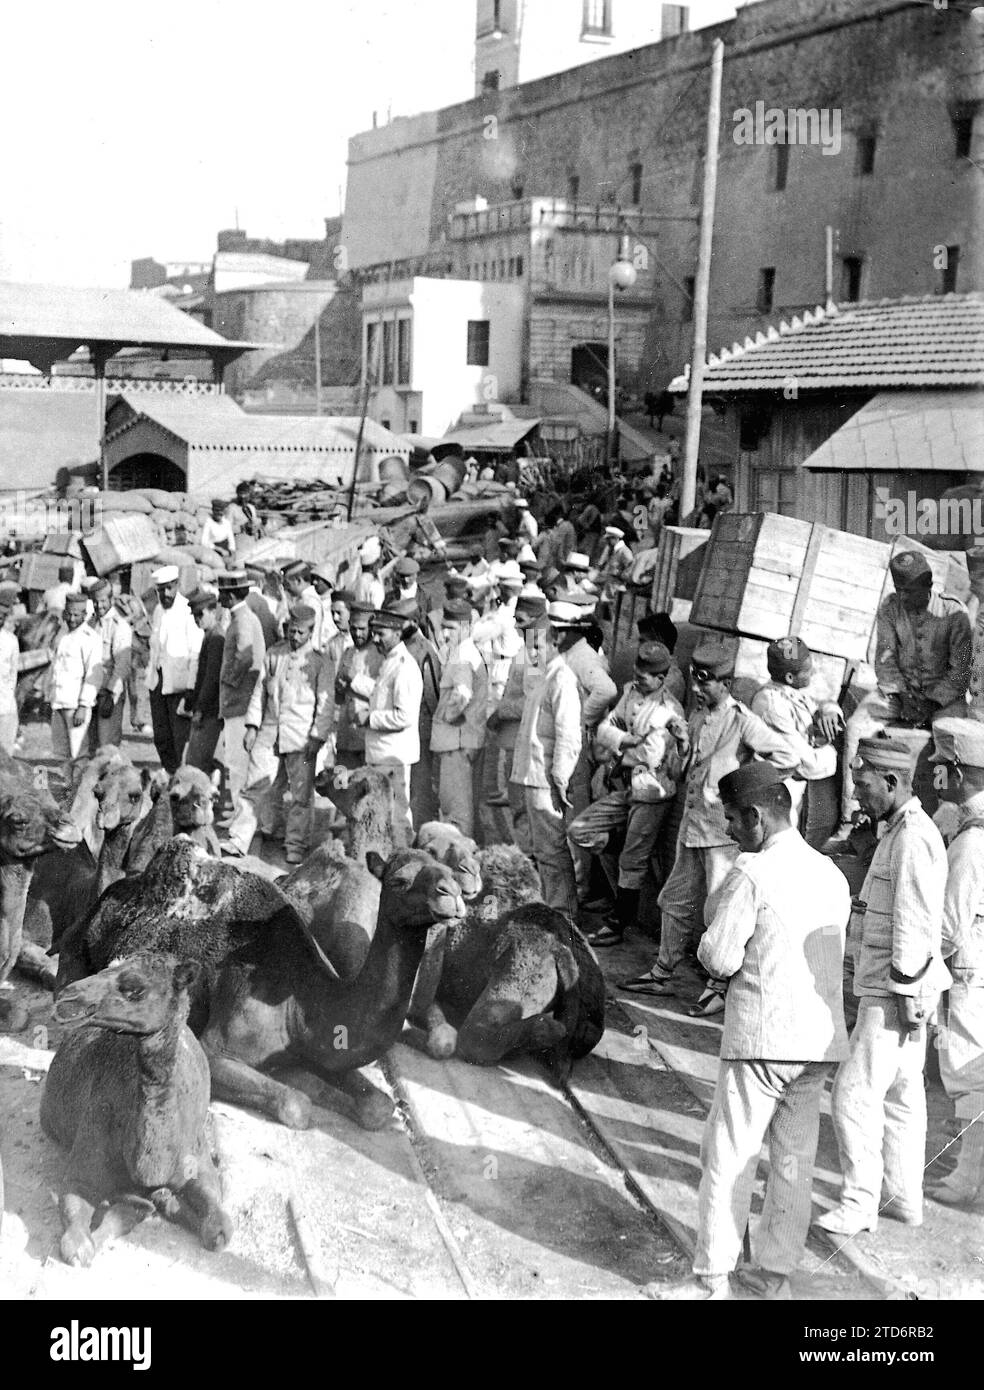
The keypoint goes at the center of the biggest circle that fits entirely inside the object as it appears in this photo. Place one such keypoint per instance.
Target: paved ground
(489, 1183)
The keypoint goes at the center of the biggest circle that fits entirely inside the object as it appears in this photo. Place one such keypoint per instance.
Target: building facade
(434, 348)
(862, 118)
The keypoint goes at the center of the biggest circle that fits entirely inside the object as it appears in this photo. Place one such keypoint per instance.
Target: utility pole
(688, 496)
(317, 363)
(828, 280)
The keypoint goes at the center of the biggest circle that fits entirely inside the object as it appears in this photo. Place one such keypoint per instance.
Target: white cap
(566, 614)
(576, 561)
(167, 574)
(371, 551)
(505, 571)
(522, 502)
(527, 556)
(615, 531)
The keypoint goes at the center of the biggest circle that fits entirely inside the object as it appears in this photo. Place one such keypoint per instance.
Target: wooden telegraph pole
(688, 496)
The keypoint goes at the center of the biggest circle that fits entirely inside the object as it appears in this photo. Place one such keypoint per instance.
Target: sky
(141, 130)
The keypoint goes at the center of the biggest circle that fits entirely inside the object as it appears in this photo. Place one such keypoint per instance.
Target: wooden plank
(806, 578)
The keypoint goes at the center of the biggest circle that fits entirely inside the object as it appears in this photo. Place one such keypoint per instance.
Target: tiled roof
(216, 422)
(914, 431)
(936, 340)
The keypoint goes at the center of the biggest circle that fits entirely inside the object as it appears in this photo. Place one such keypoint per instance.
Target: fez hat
(788, 656)
(653, 658)
(714, 658)
(958, 741)
(910, 570)
(885, 755)
(740, 788)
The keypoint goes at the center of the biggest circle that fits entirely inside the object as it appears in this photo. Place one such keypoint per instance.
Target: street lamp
(621, 275)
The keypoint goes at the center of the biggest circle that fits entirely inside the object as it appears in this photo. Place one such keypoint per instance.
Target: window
(675, 20)
(491, 270)
(946, 274)
(963, 129)
(386, 375)
(597, 17)
(512, 267)
(766, 289)
(372, 347)
(851, 279)
(485, 270)
(491, 80)
(502, 270)
(690, 285)
(478, 343)
(516, 189)
(519, 266)
(414, 426)
(865, 163)
(403, 352)
(780, 167)
(385, 424)
(573, 188)
(636, 171)
(753, 425)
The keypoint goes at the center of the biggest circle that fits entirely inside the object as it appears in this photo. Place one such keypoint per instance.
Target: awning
(909, 432)
(497, 437)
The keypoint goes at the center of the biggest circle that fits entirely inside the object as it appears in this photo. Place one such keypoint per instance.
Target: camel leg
(436, 1037)
(119, 1219)
(14, 1017)
(203, 1195)
(77, 1245)
(34, 962)
(369, 1106)
(240, 1084)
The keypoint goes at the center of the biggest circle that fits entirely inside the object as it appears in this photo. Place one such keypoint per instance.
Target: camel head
(353, 791)
(457, 851)
(519, 1009)
(140, 995)
(119, 795)
(417, 890)
(31, 822)
(192, 795)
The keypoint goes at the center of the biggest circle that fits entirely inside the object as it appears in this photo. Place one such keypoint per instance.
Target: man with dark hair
(777, 935)
(117, 644)
(879, 1099)
(242, 668)
(922, 661)
(424, 802)
(659, 627)
(202, 703)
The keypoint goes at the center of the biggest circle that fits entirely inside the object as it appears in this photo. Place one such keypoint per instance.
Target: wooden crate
(121, 540)
(770, 576)
(680, 558)
(39, 570)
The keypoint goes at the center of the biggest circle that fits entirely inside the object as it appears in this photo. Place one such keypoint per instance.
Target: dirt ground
(488, 1182)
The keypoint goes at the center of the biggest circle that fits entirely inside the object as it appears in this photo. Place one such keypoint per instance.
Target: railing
(187, 386)
(554, 212)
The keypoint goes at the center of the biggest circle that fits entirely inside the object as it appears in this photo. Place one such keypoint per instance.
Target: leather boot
(963, 1184)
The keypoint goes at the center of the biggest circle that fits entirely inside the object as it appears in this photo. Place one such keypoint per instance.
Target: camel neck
(156, 1054)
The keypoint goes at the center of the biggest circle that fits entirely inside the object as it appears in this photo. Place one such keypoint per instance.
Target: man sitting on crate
(922, 662)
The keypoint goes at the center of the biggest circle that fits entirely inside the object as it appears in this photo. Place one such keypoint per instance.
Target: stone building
(864, 118)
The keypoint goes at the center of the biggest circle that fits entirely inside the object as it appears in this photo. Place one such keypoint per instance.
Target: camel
(30, 823)
(268, 996)
(127, 1094)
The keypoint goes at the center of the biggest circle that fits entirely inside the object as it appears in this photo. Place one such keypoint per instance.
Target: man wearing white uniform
(392, 720)
(785, 704)
(879, 1098)
(76, 675)
(777, 935)
(960, 754)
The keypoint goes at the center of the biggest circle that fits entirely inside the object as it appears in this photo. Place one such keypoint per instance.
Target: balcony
(530, 213)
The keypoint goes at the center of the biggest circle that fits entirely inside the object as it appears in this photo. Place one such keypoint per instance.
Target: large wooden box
(39, 570)
(770, 576)
(123, 539)
(680, 558)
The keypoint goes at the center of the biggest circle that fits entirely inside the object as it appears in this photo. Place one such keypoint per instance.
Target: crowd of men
(494, 703)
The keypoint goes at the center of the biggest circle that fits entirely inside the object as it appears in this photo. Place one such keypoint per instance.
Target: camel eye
(134, 991)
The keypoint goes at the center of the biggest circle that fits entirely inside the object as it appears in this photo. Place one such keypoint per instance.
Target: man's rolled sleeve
(722, 947)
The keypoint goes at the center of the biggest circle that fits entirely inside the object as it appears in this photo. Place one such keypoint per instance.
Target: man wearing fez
(175, 642)
(458, 734)
(242, 663)
(646, 732)
(959, 755)
(296, 575)
(288, 720)
(117, 645)
(879, 1100)
(202, 702)
(76, 677)
(362, 658)
(722, 734)
(922, 662)
(218, 533)
(424, 801)
(391, 714)
(785, 704)
(406, 577)
(526, 672)
(777, 935)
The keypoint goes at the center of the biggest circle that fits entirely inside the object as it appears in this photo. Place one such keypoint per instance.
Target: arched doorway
(146, 470)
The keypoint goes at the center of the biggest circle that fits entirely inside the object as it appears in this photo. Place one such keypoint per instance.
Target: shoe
(906, 1216)
(596, 905)
(499, 799)
(293, 856)
(765, 1283)
(842, 1221)
(948, 1194)
(608, 935)
(698, 1288)
(711, 1002)
(650, 983)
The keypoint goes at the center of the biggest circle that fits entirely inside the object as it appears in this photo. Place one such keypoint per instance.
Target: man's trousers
(687, 898)
(552, 852)
(170, 729)
(753, 1099)
(202, 742)
(642, 822)
(456, 784)
(879, 1111)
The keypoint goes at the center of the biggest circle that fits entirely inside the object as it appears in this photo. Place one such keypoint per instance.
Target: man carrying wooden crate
(922, 662)
(786, 705)
(723, 735)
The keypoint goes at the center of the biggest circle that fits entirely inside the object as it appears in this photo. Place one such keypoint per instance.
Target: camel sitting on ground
(127, 1094)
(268, 996)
